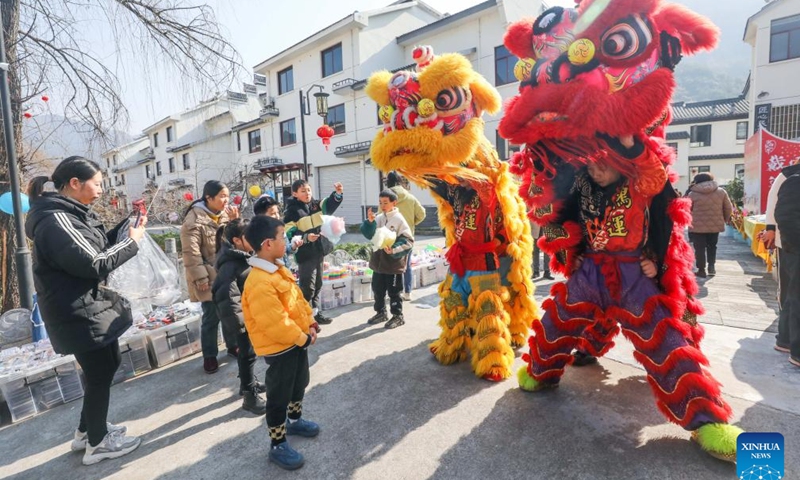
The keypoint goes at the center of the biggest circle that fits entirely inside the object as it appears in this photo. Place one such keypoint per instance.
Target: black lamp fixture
(321, 99)
(763, 94)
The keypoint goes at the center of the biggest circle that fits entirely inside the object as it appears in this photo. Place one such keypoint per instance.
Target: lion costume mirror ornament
(594, 96)
(433, 134)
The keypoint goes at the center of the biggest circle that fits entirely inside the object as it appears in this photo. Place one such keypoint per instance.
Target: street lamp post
(305, 109)
(22, 256)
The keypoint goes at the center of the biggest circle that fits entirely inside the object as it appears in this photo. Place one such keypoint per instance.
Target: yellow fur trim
(378, 87)
(485, 96)
(418, 148)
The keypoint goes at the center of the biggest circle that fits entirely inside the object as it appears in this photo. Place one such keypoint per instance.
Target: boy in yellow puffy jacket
(281, 328)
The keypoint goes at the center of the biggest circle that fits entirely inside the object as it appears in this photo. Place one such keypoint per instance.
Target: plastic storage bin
(417, 279)
(135, 359)
(336, 293)
(42, 388)
(362, 289)
(429, 274)
(173, 342)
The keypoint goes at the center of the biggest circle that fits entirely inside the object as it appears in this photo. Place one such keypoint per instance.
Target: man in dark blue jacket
(787, 218)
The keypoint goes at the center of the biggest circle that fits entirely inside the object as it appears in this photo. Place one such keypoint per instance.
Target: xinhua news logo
(759, 456)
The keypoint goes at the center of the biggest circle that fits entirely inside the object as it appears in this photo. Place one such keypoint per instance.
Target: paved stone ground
(388, 410)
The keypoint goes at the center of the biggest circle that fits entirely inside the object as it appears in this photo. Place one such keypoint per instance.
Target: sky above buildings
(258, 29)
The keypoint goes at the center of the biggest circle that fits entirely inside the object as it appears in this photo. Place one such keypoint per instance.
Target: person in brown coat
(198, 246)
(711, 210)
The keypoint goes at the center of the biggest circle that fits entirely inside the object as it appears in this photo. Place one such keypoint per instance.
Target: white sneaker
(114, 445)
(407, 296)
(80, 439)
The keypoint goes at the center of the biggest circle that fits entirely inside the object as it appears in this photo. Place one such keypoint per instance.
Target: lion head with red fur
(605, 66)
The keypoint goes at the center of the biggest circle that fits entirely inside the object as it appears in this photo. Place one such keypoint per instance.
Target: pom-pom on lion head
(431, 116)
(603, 67)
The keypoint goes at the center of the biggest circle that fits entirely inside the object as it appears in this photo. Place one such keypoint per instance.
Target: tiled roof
(712, 110)
(721, 156)
(444, 22)
(678, 136)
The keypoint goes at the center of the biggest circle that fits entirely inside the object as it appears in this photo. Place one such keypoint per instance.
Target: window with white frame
(155, 140)
(738, 170)
(171, 163)
(335, 119)
(285, 80)
(158, 168)
(700, 136)
(288, 133)
(784, 41)
(186, 164)
(741, 130)
(254, 140)
(332, 60)
(169, 134)
(504, 62)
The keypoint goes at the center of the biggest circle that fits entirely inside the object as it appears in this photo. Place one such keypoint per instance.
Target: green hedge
(161, 238)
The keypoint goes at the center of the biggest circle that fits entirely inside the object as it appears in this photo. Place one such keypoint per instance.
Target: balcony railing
(353, 149)
(178, 181)
(269, 111)
(341, 85)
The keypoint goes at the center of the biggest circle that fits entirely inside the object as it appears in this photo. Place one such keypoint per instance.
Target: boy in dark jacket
(389, 263)
(232, 271)
(787, 218)
(303, 217)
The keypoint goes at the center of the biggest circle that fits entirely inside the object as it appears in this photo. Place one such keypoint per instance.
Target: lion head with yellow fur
(432, 116)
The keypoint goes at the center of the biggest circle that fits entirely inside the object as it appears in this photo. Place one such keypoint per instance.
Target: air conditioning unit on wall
(265, 100)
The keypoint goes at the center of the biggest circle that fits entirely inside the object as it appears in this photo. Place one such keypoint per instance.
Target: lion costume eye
(627, 39)
(451, 99)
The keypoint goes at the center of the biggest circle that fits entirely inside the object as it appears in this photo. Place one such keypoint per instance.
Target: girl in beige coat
(711, 210)
(198, 246)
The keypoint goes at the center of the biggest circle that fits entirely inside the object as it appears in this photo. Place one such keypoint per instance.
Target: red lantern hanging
(45, 98)
(27, 114)
(325, 132)
(188, 196)
(237, 200)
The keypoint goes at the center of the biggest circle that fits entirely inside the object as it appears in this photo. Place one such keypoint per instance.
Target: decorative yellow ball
(385, 113)
(426, 108)
(523, 68)
(581, 51)
(254, 190)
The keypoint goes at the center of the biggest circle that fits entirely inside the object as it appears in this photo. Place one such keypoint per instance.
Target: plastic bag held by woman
(150, 275)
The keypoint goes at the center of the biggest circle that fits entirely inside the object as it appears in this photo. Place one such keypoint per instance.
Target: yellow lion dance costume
(433, 134)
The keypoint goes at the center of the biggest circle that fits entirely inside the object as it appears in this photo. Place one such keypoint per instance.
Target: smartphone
(138, 219)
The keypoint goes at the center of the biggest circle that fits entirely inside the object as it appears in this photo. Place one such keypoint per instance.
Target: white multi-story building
(774, 35)
(709, 136)
(122, 177)
(339, 59)
(192, 147)
(184, 150)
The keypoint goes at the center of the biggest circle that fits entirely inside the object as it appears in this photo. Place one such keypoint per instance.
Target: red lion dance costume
(596, 83)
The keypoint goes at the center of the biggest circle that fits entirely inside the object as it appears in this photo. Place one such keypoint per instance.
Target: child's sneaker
(302, 427)
(286, 457)
(395, 322)
(80, 439)
(114, 445)
(379, 317)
